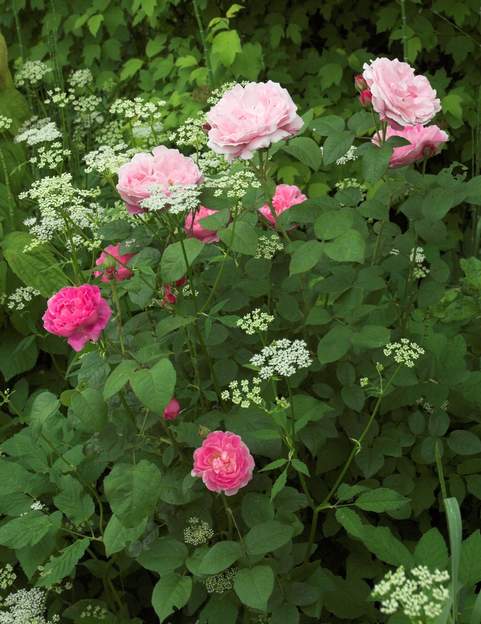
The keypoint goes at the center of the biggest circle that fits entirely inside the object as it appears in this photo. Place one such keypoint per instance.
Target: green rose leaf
(170, 593)
(155, 386)
(254, 586)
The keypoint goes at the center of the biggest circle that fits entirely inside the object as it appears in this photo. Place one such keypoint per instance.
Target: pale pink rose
(172, 410)
(285, 196)
(425, 141)
(77, 313)
(112, 264)
(224, 462)
(194, 228)
(250, 117)
(163, 168)
(398, 94)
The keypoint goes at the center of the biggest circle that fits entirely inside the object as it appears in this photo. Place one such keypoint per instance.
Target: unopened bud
(365, 97)
(360, 83)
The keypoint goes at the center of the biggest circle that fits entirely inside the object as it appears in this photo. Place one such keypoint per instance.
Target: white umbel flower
(403, 352)
(243, 392)
(37, 130)
(255, 321)
(282, 358)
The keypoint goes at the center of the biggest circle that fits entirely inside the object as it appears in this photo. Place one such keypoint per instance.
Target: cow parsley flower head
(255, 321)
(403, 352)
(106, 159)
(243, 392)
(31, 72)
(50, 156)
(220, 583)
(7, 576)
(233, 183)
(36, 130)
(268, 245)
(282, 357)
(350, 155)
(197, 532)
(5, 122)
(26, 607)
(419, 595)
(180, 198)
(21, 297)
(137, 109)
(418, 259)
(80, 78)
(59, 98)
(190, 133)
(95, 612)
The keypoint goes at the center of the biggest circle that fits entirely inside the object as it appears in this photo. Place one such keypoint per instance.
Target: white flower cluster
(7, 577)
(421, 597)
(220, 583)
(418, 258)
(106, 159)
(428, 408)
(110, 133)
(37, 130)
(403, 352)
(350, 183)
(243, 393)
(350, 155)
(5, 122)
(137, 109)
(86, 104)
(363, 382)
(80, 78)
(95, 612)
(20, 297)
(211, 163)
(282, 357)
(31, 72)
(59, 98)
(181, 198)
(26, 607)
(191, 132)
(197, 532)
(58, 200)
(37, 506)
(216, 94)
(255, 321)
(233, 183)
(50, 156)
(268, 245)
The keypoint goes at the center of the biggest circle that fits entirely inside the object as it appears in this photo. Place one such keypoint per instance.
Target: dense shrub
(241, 379)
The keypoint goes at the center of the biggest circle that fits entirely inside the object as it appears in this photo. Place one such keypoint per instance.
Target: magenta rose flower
(425, 141)
(194, 228)
(77, 313)
(112, 264)
(163, 168)
(223, 462)
(252, 117)
(285, 196)
(398, 94)
(172, 410)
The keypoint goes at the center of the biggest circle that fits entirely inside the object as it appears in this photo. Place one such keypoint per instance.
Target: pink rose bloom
(112, 264)
(285, 196)
(398, 94)
(248, 118)
(77, 313)
(194, 228)
(172, 410)
(163, 168)
(425, 141)
(224, 462)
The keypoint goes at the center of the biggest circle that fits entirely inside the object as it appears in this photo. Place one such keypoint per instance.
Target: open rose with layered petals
(77, 313)
(112, 264)
(223, 462)
(250, 117)
(424, 142)
(285, 196)
(194, 228)
(398, 95)
(163, 168)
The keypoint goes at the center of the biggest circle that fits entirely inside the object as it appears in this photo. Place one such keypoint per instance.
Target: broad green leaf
(375, 160)
(334, 345)
(130, 68)
(173, 264)
(305, 257)
(133, 491)
(348, 247)
(380, 499)
(336, 145)
(332, 223)
(371, 337)
(240, 237)
(88, 410)
(73, 500)
(219, 557)
(170, 593)
(119, 377)
(431, 550)
(464, 442)
(117, 537)
(330, 124)
(163, 556)
(225, 46)
(268, 536)
(169, 324)
(155, 386)
(27, 530)
(254, 586)
(57, 568)
(439, 202)
(306, 150)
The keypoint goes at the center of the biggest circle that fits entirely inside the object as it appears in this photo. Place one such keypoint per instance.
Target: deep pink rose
(77, 313)
(285, 196)
(248, 118)
(171, 290)
(224, 462)
(194, 228)
(365, 98)
(112, 264)
(172, 410)
(398, 94)
(163, 168)
(425, 141)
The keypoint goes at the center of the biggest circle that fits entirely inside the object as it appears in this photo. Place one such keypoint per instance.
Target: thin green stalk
(116, 301)
(404, 30)
(11, 198)
(200, 26)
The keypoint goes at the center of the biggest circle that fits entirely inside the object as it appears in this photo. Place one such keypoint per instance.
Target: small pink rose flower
(251, 117)
(163, 168)
(285, 196)
(425, 141)
(398, 95)
(112, 264)
(172, 410)
(194, 228)
(77, 313)
(223, 462)
(170, 291)
(365, 98)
